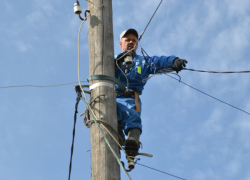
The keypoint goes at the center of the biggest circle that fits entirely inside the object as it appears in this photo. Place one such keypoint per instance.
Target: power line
(149, 21)
(79, 95)
(227, 72)
(160, 171)
(40, 86)
(210, 95)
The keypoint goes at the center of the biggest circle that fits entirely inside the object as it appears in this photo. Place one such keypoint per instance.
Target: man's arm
(157, 63)
(165, 62)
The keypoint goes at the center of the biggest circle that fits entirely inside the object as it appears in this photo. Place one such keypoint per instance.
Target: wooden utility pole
(101, 62)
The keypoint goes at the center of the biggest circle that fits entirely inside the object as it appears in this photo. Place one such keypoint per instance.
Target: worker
(129, 104)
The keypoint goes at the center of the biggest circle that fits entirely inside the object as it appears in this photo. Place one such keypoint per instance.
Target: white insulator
(131, 165)
(128, 60)
(77, 8)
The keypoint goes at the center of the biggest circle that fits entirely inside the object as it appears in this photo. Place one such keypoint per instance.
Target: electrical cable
(150, 21)
(210, 96)
(160, 171)
(142, 51)
(105, 138)
(102, 123)
(74, 127)
(170, 69)
(160, 73)
(121, 69)
(119, 144)
(39, 86)
(54, 85)
(217, 71)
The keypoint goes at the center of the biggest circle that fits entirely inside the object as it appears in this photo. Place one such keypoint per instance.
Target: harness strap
(136, 102)
(136, 96)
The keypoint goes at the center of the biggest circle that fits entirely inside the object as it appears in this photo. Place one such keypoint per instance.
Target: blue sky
(190, 135)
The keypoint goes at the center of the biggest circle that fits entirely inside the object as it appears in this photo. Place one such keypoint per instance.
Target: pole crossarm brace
(105, 77)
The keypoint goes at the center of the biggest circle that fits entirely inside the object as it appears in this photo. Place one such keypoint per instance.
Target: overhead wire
(226, 72)
(40, 86)
(160, 72)
(169, 70)
(143, 51)
(160, 171)
(73, 138)
(149, 21)
(210, 95)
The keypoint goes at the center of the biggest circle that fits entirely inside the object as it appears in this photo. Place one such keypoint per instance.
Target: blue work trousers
(126, 112)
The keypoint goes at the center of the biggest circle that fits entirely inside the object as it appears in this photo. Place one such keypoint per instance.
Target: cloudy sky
(190, 134)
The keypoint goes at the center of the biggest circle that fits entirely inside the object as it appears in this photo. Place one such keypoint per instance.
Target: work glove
(179, 64)
(131, 53)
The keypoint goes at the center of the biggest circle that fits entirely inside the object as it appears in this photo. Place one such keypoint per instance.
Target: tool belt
(135, 95)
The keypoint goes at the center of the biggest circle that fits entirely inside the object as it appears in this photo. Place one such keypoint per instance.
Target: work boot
(132, 144)
(120, 132)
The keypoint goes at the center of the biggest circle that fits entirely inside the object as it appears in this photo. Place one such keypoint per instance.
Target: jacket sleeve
(159, 62)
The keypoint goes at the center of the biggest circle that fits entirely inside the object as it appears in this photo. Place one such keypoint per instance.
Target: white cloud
(237, 8)
(35, 16)
(8, 7)
(46, 6)
(41, 10)
(232, 168)
(188, 150)
(67, 42)
(242, 126)
(23, 47)
(200, 175)
(213, 125)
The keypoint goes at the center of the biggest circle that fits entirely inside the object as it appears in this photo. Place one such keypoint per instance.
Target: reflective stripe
(139, 69)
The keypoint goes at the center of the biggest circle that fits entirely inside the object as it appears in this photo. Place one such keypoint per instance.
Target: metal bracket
(105, 77)
(93, 86)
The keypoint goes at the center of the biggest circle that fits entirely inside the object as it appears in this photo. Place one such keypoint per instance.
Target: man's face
(128, 42)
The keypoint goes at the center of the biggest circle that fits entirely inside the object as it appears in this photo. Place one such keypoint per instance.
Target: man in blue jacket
(129, 103)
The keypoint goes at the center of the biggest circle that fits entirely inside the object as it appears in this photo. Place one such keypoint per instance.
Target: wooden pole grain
(101, 61)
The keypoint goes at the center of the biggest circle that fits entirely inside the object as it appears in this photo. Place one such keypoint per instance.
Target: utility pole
(101, 62)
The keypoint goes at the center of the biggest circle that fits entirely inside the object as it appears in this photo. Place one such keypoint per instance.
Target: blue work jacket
(139, 70)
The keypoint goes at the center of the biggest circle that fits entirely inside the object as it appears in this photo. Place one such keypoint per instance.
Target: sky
(190, 135)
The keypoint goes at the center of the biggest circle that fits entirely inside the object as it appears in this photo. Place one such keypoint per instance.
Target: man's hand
(179, 64)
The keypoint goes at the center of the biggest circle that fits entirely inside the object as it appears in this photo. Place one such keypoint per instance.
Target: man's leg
(131, 121)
